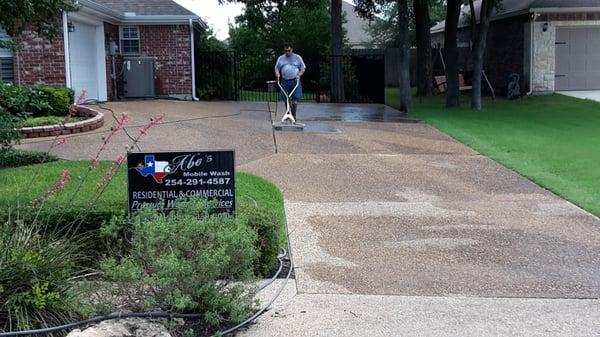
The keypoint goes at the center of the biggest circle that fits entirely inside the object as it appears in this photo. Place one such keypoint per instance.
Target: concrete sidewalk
(395, 229)
(593, 95)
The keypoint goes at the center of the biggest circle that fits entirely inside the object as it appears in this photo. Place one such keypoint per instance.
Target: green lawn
(23, 184)
(553, 140)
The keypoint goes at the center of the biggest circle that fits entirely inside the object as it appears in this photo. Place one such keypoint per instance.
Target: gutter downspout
(193, 53)
(531, 53)
(67, 50)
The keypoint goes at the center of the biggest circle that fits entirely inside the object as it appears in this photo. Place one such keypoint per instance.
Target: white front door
(84, 60)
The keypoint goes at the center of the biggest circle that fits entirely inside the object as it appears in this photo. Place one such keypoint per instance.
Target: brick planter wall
(95, 122)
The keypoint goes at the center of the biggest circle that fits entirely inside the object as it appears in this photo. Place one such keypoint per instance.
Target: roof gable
(515, 7)
(145, 7)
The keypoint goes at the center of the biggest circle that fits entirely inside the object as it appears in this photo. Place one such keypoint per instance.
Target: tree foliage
(42, 16)
(269, 25)
(383, 27)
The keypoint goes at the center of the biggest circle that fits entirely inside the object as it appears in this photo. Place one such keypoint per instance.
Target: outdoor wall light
(70, 27)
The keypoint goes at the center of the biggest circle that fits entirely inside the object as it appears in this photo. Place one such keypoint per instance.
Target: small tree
(479, 36)
(40, 15)
(337, 41)
(424, 62)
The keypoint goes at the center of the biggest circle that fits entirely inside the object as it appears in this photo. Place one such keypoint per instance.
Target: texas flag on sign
(157, 169)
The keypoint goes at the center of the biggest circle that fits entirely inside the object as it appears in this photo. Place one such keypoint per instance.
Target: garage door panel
(577, 59)
(577, 80)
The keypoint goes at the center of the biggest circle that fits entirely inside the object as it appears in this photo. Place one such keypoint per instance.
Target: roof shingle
(145, 7)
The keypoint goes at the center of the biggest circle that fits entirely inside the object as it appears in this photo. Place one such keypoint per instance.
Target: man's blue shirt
(290, 66)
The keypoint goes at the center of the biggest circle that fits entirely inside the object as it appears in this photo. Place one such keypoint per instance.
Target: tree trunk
(473, 21)
(451, 49)
(337, 71)
(424, 62)
(403, 22)
(479, 52)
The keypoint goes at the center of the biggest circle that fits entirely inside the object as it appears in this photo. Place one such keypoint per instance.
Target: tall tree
(368, 9)
(403, 23)
(423, 39)
(451, 49)
(42, 16)
(337, 40)
(479, 45)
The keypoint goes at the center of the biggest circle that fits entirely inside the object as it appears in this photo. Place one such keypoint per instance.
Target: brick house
(103, 39)
(553, 44)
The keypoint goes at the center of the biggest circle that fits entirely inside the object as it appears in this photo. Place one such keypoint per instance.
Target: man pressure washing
(288, 70)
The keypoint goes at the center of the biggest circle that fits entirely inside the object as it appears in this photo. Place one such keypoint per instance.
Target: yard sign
(159, 178)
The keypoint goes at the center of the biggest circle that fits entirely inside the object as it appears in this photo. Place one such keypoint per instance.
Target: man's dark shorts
(288, 86)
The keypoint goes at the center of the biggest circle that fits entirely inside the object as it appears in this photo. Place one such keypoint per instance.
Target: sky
(215, 15)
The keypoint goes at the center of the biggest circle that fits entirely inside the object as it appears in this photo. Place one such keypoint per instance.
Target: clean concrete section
(593, 95)
(384, 316)
(395, 228)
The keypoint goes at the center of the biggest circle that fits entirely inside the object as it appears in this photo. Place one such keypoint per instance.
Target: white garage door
(577, 59)
(84, 63)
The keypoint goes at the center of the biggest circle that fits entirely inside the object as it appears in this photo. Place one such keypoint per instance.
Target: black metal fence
(243, 77)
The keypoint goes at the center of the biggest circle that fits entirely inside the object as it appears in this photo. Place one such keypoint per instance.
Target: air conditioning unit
(138, 77)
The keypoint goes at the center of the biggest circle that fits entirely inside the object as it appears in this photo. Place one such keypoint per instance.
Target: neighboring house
(357, 33)
(107, 31)
(553, 44)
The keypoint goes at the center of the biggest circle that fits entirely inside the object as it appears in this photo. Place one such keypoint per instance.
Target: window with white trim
(130, 39)
(6, 61)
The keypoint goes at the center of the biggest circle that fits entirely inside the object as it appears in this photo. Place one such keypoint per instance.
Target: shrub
(59, 99)
(8, 134)
(23, 102)
(185, 263)
(266, 224)
(14, 158)
(35, 271)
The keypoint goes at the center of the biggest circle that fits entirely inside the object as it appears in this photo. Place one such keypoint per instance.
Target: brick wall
(505, 50)
(40, 61)
(170, 46)
(111, 31)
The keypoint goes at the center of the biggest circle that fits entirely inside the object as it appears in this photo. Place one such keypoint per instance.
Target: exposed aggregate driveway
(384, 216)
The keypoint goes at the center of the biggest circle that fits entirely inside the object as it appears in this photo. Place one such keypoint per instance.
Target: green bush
(265, 222)
(8, 134)
(36, 266)
(14, 158)
(24, 102)
(180, 262)
(59, 99)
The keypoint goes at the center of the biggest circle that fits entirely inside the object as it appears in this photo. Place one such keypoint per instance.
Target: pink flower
(81, 97)
(59, 185)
